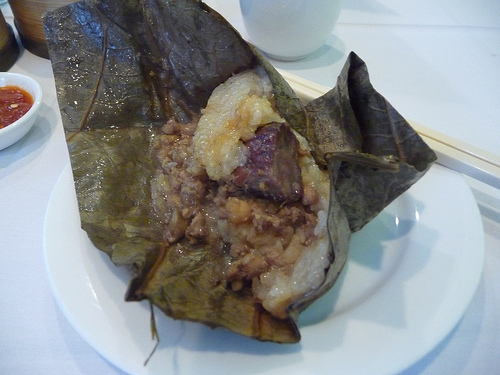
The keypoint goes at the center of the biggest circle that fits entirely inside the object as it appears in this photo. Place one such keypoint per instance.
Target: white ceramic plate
(410, 275)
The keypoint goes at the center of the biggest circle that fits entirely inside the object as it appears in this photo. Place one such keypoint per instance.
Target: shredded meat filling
(258, 233)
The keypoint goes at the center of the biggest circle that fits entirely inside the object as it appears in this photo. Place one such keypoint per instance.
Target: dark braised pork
(272, 170)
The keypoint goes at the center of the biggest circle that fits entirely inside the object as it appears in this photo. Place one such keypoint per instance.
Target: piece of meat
(272, 170)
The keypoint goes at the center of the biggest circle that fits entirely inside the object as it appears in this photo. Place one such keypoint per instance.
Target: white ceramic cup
(289, 29)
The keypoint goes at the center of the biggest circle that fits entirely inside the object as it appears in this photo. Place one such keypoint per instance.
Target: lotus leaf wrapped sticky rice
(198, 168)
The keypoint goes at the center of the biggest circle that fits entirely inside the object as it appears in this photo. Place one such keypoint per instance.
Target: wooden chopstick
(452, 153)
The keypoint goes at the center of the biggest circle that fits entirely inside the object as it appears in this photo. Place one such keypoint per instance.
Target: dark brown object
(9, 49)
(28, 20)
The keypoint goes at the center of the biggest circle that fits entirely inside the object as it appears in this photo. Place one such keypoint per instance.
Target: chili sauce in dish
(14, 103)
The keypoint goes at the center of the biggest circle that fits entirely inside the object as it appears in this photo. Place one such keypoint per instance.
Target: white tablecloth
(437, 62)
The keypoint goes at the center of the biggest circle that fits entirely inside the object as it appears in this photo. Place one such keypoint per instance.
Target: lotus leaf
(124, 68)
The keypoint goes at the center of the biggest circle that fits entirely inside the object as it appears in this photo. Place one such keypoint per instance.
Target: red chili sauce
(14, 103)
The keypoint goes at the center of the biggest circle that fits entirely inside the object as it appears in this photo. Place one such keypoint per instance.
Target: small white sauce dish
(18, 129)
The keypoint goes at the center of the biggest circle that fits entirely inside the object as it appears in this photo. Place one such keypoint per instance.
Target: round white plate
(410, 275)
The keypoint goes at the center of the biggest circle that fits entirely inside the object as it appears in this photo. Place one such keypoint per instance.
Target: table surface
(437, 62)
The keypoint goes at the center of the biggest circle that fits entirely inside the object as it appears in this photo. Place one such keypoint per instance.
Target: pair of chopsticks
(452, 153)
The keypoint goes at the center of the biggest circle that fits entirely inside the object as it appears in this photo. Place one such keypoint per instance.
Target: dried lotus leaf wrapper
(381, 155)
(131, 93)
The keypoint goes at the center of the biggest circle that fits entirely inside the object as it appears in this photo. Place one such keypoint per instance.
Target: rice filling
(241, 180)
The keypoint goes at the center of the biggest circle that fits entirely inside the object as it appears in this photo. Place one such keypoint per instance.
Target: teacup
(289, 29)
